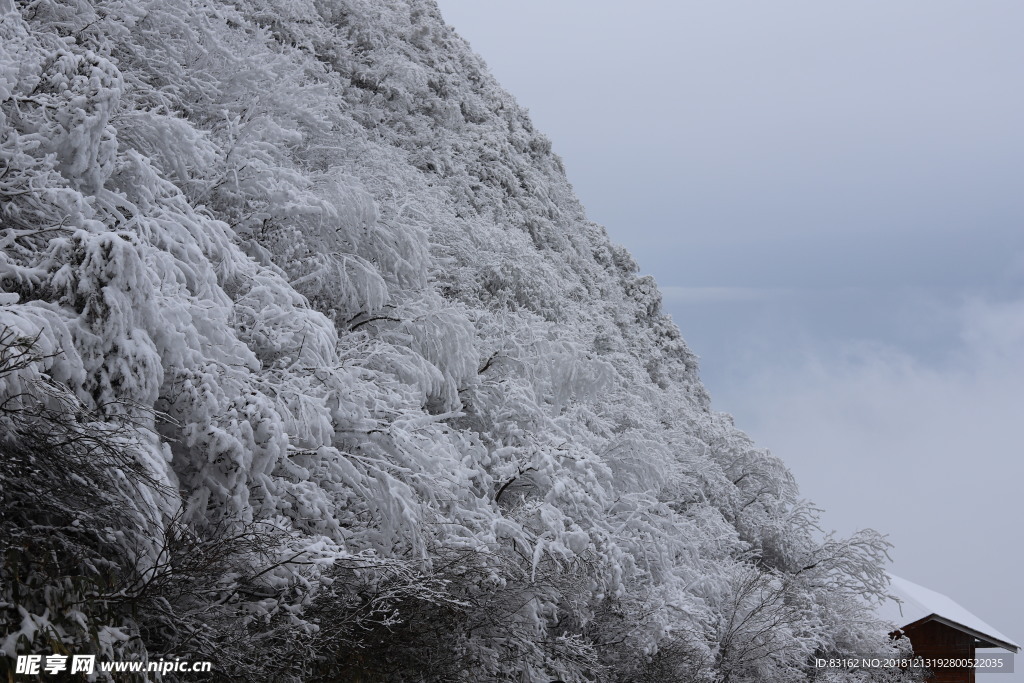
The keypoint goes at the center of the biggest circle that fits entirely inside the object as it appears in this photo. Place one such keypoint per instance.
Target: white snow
(917, 602)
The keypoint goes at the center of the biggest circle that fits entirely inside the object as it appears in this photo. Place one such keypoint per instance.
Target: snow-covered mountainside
(312, 366)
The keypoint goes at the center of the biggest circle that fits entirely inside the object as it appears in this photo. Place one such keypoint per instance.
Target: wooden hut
(939, 628)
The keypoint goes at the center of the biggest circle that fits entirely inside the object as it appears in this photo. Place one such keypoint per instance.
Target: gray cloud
(928, 452)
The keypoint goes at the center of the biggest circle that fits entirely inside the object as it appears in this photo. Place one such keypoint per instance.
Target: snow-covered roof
(919, 604)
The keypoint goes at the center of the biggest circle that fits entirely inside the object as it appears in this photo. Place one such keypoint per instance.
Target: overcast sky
(830, 197)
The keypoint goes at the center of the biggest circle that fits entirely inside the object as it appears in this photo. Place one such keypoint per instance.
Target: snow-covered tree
(312, 366)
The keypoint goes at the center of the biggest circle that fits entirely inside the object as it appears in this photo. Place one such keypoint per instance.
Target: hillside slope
(312, 366)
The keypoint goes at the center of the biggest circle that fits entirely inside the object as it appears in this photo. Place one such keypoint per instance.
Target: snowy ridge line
(312, 367)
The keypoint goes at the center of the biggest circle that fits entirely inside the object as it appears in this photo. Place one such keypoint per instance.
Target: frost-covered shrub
(74, 517)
